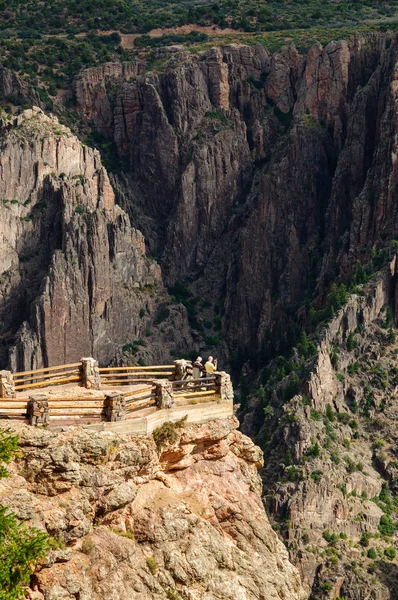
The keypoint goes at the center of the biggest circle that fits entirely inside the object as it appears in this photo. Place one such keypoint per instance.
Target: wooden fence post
(224, 386)
(90, 374)
(38, 410)
(114, 407)
(163, 393)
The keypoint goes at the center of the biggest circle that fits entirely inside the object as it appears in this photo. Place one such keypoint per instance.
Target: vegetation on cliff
(21, 548)
(328, 431)
(48, 43)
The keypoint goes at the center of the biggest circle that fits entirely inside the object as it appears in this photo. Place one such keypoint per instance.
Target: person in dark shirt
(198, 368)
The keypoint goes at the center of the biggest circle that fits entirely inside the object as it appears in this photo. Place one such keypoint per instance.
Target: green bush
(386, 526)
(351, 342)
(331, 538)
(316, 476)
(152, 564)
(168, 432)
(365, 537)
(330, 414)
(21, 548)
(326, 587)
(390, 553)
(314, 450)
(294, 474)
(315, 415)
(372, 553)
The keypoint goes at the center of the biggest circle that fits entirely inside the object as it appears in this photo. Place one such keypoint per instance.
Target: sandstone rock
(129, 535)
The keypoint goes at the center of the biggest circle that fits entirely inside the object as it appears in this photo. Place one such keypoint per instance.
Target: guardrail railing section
(128, 392)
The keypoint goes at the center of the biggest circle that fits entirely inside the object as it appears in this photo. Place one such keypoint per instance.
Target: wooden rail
(153, 368)
(62, 374)
(153, 388)
(58, 368)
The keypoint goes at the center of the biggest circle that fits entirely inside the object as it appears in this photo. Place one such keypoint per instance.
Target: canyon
(241, 186)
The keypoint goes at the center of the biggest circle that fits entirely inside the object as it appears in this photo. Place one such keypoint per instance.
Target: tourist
(210, 365)
(198, 368)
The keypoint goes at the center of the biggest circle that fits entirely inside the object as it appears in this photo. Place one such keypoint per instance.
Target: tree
(360, 274)
(21, 547)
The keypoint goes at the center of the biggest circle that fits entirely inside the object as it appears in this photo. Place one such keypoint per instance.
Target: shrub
(316, 415)
(351, 342)
(314, 450)
(316, 476)
(372, 553)
(326, 587)
(352, 466)
(386, 526)
(218, 115)
(330, 414)
(331, 538)
(390, 553)
(87, 546)
(294, 474)
(268, 413)
(353, 368)
(168, 432)
(152, 564)
(21, 548)
(365, 537)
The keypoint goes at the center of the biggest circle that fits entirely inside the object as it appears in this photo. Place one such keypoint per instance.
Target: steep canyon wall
(263, 174)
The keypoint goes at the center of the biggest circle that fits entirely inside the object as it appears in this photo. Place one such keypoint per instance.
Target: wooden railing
(139, 399)
(190, 388)
(149, 387)
(79, 407)
(38, 378)
(131, 375)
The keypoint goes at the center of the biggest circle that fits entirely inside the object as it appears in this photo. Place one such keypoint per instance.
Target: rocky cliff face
(75, 279)
(131, 520)
(330, 477)
(261, 172)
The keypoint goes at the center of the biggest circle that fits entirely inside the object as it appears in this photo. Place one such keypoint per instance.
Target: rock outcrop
(130, 520)
(16, 91)
(75, 278)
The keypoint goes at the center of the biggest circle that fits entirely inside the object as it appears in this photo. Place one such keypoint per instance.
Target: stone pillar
(90, 374)
(163, 393)
(180, 369)
(7, 385)
(38, 410)
(114, 407)
(224, 386)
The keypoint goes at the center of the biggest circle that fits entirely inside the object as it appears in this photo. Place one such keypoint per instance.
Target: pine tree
(360, 274)
(21, 547)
